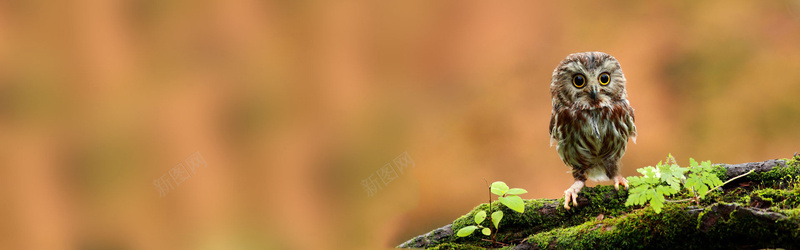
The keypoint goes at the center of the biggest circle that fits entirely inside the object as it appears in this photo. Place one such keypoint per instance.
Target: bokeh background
(294, 103)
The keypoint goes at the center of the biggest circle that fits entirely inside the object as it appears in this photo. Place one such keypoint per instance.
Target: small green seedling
(666, 179)
(508, 197)
(479, 217)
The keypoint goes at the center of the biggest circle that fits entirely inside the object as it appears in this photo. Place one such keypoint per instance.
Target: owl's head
(588, 80)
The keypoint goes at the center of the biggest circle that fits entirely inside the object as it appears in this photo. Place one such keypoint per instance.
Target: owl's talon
(620, 180)
(572, 194)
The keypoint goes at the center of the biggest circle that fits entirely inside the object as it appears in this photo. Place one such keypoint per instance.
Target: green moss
(745, 199)
(640, 229)
(454, 246)
(720, 172)
(740, 229)
(778, 198)
(794, 160)
(562, 237)
(778, 177)
(673, 228)
(793, 214)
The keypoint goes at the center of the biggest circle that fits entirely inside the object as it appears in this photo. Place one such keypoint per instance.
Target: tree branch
(601, 219)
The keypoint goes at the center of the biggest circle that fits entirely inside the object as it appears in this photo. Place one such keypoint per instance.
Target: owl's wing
(630, 123)
(632, 127)
(553, 121)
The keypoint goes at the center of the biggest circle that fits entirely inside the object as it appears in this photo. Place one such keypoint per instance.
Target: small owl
(592, 119)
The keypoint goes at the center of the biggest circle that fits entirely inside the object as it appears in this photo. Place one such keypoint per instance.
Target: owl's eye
(604, 79)
(579, 81)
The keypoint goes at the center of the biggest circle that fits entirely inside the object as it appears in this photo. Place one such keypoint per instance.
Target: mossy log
(760, 210)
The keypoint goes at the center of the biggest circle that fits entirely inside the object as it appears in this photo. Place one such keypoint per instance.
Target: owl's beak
(593, 93)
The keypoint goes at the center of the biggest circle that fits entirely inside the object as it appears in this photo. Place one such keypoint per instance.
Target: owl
(592, 119)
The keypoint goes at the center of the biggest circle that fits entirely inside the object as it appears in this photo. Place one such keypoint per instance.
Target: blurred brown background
(293, 104)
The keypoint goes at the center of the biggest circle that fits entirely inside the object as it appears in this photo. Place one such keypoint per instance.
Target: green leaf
(633, 199)
(678, 172)
(640, 195)
(486, 231)
(652, 180)
(648, 171)
(629, 201)
(656, 206)
(665, 173)
(641, 198)
(499, 188)
(657, 203)
(649, 194)
(707, 180)
(466, 231)
(517, 191)
(496, 191)
(665, 190)
(702, 190)
(716, 180)
(496, 217)
(480, 216)
(691, 182)
(675, 186)
(513, 202)
(668, 178)
(639, 189)
(646, 196)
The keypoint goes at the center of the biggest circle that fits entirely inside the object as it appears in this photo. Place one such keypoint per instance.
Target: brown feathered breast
(589, 138)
